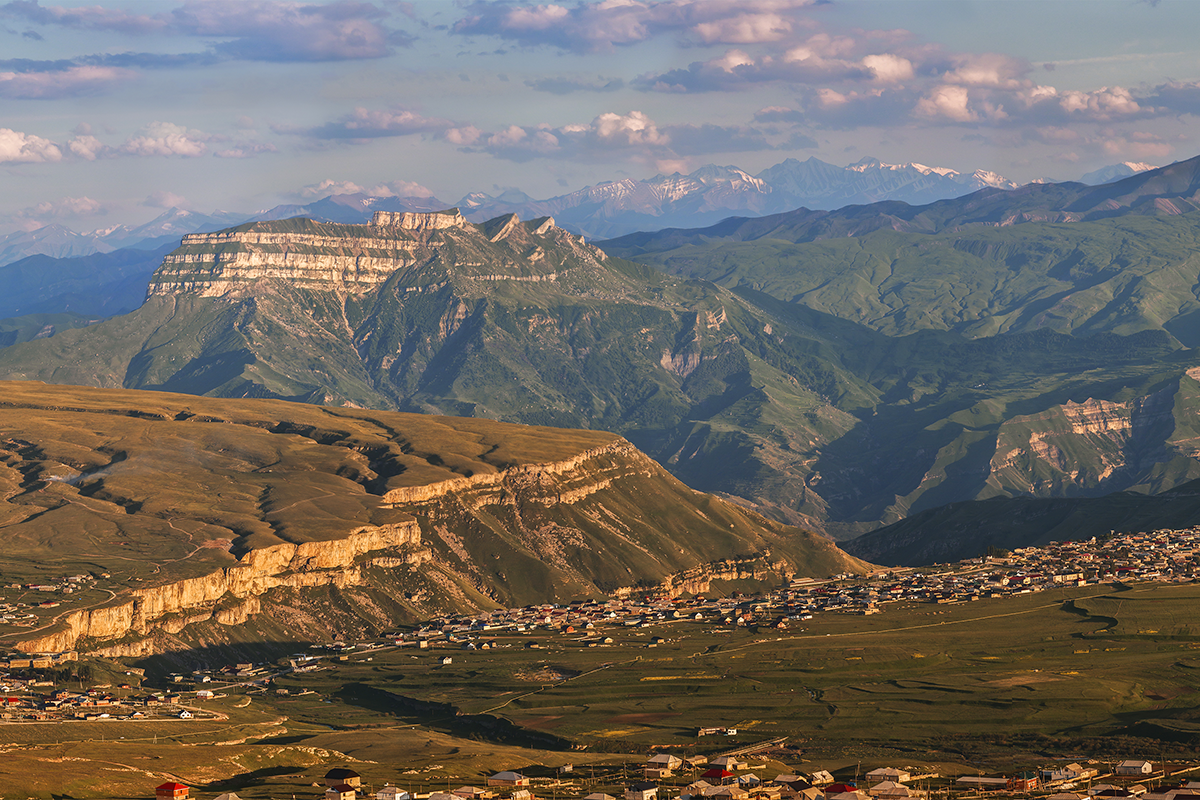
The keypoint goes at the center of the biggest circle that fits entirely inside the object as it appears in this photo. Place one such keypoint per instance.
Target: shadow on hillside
(217, 656)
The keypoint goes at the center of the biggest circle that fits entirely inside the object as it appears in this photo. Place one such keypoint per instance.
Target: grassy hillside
(141, 489)
(1121, 275)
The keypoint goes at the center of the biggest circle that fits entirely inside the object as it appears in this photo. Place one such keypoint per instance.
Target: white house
(1135, 767)
(887, 774)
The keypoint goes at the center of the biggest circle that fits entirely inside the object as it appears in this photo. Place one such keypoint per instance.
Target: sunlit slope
(196, 510)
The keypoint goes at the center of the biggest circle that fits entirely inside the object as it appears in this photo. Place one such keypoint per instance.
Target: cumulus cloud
(55, 83)
(367, 124)
(65, 207)
(87, 147)
(167, 139)
(17, 147)
(602, 26)
(329, 187)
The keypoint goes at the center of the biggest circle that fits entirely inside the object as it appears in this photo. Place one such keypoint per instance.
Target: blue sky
(112, 111)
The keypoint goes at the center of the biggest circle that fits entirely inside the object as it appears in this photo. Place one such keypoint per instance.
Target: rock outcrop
(305, 565)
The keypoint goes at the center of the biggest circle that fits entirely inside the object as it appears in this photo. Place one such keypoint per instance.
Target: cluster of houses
(1165, 555)
(16, 611)
(729, 778)
(97, 703)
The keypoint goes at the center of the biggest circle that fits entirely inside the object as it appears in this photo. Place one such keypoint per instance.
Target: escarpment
(179, 518)
(301, 566)
(358, 258)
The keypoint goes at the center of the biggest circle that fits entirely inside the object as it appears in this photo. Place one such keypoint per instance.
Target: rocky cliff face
(173, 606)
(357, 258)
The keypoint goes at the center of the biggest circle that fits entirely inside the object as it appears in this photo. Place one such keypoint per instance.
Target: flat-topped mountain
(181, 516)
(415, 248)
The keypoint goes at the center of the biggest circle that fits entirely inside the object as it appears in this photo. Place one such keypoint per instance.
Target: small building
(472, 793)
(749, 781)
(1024, 782)
(389, 792)
(343, 791)
(717, 776)
(508, 778)
(821, 778)
(728, 762)
(227, 796)
(1134, 767)
(171, 791)
(642, 791)
(887, 774)
(599, 796)
(662, 765)
(889, 790)
(339, 776)
(522, 794)
(730, 792)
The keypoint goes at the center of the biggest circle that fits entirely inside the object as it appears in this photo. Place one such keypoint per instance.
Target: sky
(112, 111)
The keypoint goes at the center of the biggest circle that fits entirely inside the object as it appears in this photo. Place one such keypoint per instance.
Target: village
(35, 690)
(1161, 556)
(1171, 556)
(666, 776)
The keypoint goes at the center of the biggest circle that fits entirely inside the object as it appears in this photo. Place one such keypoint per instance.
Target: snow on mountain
(53, 240)
(1114, 172)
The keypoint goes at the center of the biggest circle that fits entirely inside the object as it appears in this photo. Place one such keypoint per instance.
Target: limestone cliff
(358, 258)
(287, 565)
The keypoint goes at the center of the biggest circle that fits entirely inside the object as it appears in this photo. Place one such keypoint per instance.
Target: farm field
(1072, 662)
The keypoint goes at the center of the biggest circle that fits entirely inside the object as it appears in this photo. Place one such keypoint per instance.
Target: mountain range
(705, 196)
(1029, 342)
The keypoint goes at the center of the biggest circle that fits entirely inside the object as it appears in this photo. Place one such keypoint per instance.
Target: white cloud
(744, 29)
(87, 147)
(397, 188)
(18, 147)
(365, 123)
(167, 139)
(592, 27)
(889, 68)
(951, 102)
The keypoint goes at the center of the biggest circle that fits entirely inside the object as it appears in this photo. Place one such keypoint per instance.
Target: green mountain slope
(1120, 275)
(532, 327)
(809, 418)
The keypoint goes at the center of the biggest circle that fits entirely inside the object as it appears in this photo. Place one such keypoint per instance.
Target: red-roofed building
(171, 791)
